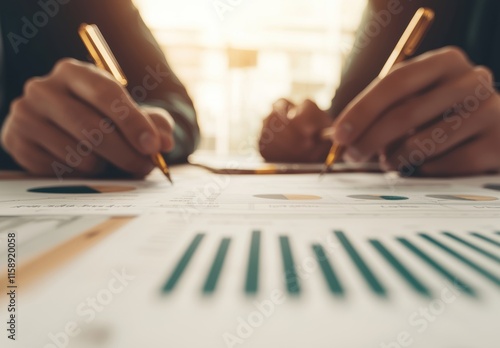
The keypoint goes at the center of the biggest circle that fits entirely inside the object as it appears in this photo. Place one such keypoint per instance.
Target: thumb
(165, 123)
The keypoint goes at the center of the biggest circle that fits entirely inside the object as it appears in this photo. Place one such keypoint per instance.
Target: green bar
(486, 239)
(183, 263)
(214, 274)
(252, 282)
(292, 281)
(330, 275)
(362, 266)
(473, 246)
(400, 268)
(463, 259)
(463, 286)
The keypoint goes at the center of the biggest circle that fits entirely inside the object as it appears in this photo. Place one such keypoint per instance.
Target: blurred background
(236, 57)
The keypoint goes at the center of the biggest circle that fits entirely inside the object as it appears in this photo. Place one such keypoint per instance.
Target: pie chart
(469, 198)
(82, 189)
(379, 197)
(289, 197)
(495, 187)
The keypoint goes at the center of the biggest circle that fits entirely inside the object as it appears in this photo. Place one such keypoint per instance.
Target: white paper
(126, 273)
(148, 250)
(198, 192)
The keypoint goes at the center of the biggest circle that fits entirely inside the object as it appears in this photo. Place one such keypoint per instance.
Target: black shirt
(37, 34)
(1, 67)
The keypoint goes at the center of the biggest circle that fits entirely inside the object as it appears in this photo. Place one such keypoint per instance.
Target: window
(236, 57)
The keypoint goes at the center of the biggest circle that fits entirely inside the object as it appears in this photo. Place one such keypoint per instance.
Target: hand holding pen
(79, 121)
(104, 59)
(303, 133)
(407, 46)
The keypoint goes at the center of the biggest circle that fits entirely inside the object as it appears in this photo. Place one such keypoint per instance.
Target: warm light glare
(237, 57)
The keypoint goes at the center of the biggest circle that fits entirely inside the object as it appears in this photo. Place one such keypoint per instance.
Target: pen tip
(324, 171)
(159, 162)
(169, 177)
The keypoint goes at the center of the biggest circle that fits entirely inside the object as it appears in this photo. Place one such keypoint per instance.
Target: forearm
(151, 80)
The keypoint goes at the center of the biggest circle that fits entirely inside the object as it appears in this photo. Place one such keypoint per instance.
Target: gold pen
(407, 46)
(104, 59)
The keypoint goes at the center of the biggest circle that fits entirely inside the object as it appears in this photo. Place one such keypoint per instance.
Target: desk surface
(264, 260)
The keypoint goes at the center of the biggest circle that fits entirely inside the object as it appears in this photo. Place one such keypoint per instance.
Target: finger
(294, 138)
(164, 123)
(90, 130)
(310, 120)
(306, 126)
(283, 106)
(473, 86)
(403, 82)
(7, 135)
(319, 153)
(32, 158)
(277, 121)
(57, 143)
(278, 141)
(444, 136)
(102, 92)
(474, 158)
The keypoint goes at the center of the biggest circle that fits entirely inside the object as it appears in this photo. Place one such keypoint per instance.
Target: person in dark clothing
(437, 114)
(60, 115)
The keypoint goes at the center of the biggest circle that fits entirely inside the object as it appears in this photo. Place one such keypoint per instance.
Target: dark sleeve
(383, 23)
(151, 80)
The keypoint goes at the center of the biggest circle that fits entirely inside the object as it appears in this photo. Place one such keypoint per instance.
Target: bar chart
(326, 277)
(480, 259)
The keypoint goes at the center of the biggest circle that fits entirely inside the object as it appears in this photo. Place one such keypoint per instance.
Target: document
(294, 281)
(352, 260)
(39, 233)
(198, 192)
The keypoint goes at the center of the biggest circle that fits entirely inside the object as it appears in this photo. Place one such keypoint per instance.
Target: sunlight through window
(237, 57)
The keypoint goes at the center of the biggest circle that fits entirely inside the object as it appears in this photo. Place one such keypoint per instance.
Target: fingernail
(291, 114)
(352, 155)
(148, 142)
(342, 132)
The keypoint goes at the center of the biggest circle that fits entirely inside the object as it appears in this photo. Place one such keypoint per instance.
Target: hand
(435, 115)
(78, 121)
(293, 133)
